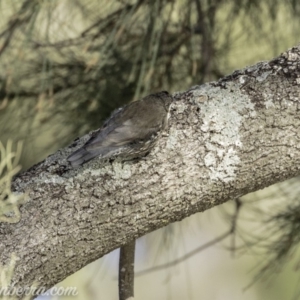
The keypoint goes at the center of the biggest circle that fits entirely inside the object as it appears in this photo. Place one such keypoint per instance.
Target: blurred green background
(66, 64)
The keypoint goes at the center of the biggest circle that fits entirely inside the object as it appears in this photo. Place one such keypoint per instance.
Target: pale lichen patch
(122, 170)
(221, 117)
(172, 139)
(263, 76)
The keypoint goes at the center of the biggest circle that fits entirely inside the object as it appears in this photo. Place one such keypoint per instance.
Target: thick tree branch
(225, 139)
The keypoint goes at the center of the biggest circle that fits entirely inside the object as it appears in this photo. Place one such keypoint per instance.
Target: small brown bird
(130, 131)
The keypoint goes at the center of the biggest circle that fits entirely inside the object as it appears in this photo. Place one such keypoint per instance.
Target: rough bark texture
(225, 139)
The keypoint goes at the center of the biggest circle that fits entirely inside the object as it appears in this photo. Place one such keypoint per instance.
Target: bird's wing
(126, 126)
(121, 135)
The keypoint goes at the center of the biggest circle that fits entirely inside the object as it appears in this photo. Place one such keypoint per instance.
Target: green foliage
(9, 202)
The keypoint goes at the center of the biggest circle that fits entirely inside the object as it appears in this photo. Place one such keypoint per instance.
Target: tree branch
(225, 139)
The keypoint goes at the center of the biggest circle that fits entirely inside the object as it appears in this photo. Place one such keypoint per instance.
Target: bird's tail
(81, 156)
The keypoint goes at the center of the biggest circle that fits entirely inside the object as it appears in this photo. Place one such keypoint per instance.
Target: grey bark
(224, 139)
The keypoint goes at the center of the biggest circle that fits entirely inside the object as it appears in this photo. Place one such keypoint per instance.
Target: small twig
(186, 256)
(238, 205)
(126, 271)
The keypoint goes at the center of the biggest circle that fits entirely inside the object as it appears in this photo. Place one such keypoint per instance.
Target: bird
(130, 132)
